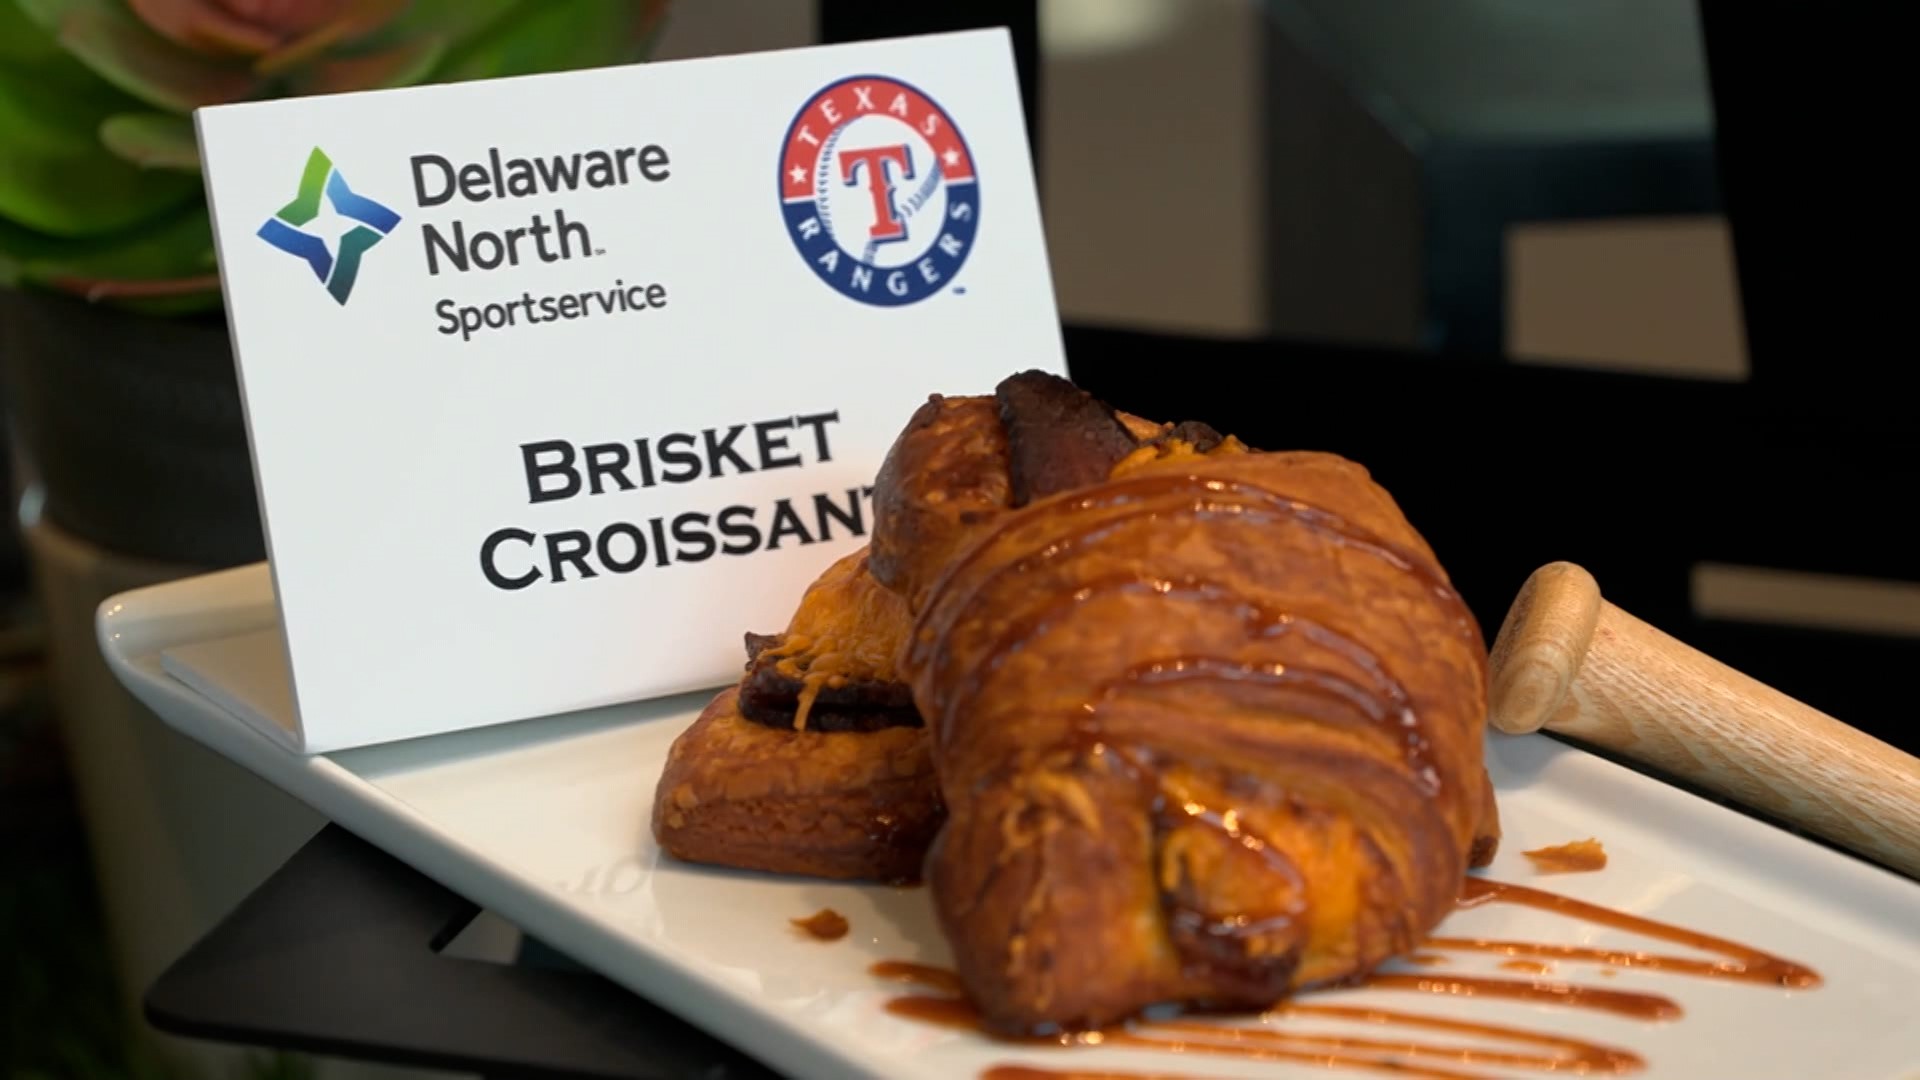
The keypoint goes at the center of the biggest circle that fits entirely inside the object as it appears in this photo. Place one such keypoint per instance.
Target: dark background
(1807, 465)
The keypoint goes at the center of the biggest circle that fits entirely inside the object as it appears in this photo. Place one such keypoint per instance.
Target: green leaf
(123, 51)
(20, 39)
(20, 246)
(177, 245)
(152, 140)
(553, 35)
(55, 175)
(450, 20)
(402, 65)
(171, 307)
(355, 21)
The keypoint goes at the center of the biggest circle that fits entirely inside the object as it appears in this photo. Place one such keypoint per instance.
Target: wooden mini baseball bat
(1568, 661)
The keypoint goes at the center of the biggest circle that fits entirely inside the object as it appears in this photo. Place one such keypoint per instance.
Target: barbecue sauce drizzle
(1743, 963)
(1204, 497)
(1513, 1048)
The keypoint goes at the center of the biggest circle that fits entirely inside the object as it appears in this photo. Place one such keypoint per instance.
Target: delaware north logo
(354, 222)
(878, 190)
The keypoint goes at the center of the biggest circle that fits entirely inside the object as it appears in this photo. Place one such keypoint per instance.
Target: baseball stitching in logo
(878, 189)
(338, 266)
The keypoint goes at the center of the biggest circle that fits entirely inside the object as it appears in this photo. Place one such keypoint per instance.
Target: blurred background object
(120, 384)
(1586, 249)
(1581, 248)
(1349, 170)
(128, 461)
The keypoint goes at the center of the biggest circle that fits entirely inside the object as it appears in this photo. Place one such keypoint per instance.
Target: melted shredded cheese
(847, 628)
(1172, 450)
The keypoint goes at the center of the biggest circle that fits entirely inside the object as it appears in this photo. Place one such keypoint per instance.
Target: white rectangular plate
(546, 823)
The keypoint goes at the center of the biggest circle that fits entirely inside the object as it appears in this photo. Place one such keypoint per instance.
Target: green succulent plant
(100, 193)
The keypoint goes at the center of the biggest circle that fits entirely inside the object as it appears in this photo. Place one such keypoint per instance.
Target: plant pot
(178, 834)
(131, 427)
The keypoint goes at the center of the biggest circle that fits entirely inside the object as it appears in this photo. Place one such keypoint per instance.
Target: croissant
(1206, 731)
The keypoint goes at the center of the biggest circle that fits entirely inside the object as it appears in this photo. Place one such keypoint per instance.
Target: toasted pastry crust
(850, 805)
(945, 477)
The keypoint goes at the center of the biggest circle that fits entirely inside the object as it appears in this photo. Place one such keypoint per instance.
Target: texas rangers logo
(878, 189)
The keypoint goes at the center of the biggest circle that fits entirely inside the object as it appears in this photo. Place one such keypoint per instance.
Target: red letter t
(886, 224)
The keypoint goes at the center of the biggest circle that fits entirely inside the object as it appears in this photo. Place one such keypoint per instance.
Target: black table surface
(340, 953)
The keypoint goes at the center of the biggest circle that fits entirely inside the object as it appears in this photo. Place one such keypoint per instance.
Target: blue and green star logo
(292, 229)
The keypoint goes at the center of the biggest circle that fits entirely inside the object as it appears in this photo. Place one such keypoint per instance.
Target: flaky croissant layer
(1206, 732)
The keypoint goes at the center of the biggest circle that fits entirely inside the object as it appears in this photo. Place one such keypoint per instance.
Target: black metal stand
(339, 953)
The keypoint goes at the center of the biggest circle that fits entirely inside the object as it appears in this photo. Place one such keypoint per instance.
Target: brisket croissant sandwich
(1204, 722)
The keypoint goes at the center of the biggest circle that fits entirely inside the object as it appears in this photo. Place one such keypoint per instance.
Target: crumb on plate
(1570, 858)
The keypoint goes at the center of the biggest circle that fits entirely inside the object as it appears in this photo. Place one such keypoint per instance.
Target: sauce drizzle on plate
(823, 925)
(1743, 962)
(1396, 1040)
